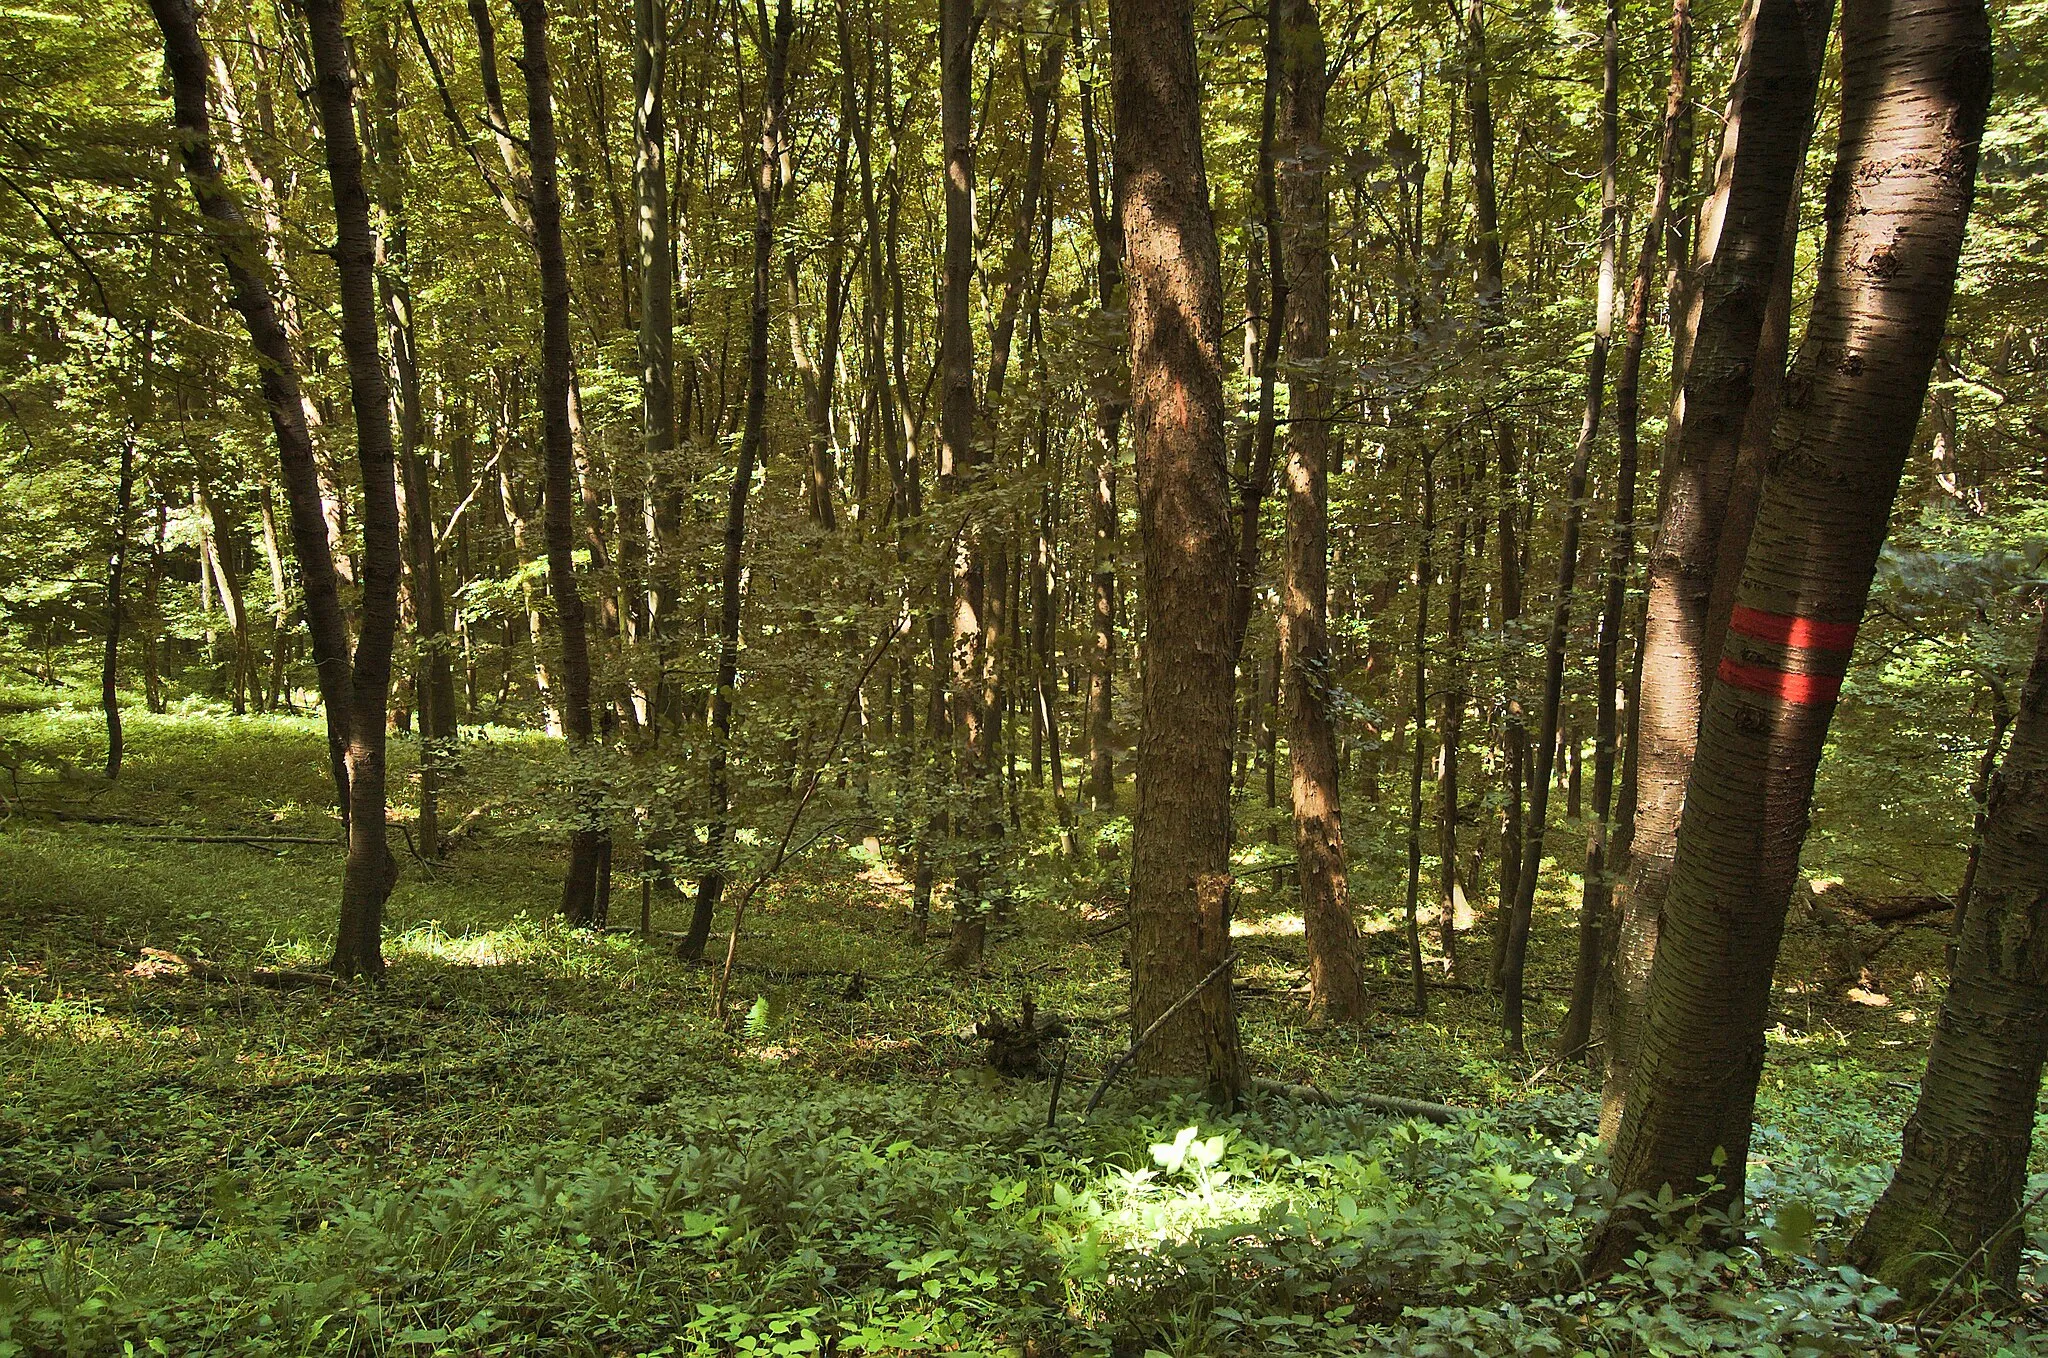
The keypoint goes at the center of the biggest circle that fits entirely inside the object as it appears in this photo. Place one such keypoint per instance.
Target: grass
(535, 1140)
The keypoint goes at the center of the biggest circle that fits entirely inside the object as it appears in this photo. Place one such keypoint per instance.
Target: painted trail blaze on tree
(1915, 87)
(1801, 660)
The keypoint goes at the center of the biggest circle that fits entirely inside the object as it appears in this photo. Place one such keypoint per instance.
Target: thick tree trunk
(1180, 871)
(1953, 1207)
(589, 841)
(768, 177)
(1916, 81)
(371, 870)
(1742, 232)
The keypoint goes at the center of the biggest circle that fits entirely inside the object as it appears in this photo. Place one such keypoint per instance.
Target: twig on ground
(1116, 1067)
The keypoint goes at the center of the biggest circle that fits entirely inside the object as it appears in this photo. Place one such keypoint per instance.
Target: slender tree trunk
(433, 685)
(768, 178)
(1450, 733)
(371, 871)
(1916, 82)
(117, 565)
(1508, 493)
(655, 236)
(1418, 658)
(1578, 1024)
(589, 841)
(972, 651)
(1336, 984)
(1963, 1166)
(1742, 231)
(1180, 871)
(1102, 507)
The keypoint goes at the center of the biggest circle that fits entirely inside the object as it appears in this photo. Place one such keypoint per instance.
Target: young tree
(769, 173)
(1916, 81)
(371, 870)
(1180, 869)
(589, 842)
(1963, 1165)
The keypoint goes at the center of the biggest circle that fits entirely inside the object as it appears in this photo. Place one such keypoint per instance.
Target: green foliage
(533, 1139)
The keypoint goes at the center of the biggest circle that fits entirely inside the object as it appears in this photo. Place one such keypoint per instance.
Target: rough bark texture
(370, 871)
(250, 293)
(1180, 871)
(589, 843)
(1954, 1204)
(1916, 80)
(1336, 985)
(1742, 229)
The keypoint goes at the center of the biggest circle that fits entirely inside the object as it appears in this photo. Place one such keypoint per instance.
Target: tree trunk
(656, 338)
(1742, 231)
(1508, 492)
(1916, 82)
(768, 177)
(1418, 658)
(1336, 985)
(434, 690)
(589, 841)
(1578, 1024)
(371, 871)
(1963, 1166)
(1180, 870)
(1102, 508)
(972, 653)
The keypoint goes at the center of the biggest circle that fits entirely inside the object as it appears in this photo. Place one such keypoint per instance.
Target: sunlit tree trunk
(1916, 81)
(1742, 230)
(1336, 985)
(1102, 506)
(1180, 871)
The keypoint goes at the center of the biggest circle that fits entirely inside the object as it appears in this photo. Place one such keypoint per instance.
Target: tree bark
(1916, 82)
(371, 871)
(589, 841)
(1578, 1024)
(972, 651)
(1742, 231)
(1180, 871)
(768, 179)
(1102, 507)
(250, 293)
(1963, 1166)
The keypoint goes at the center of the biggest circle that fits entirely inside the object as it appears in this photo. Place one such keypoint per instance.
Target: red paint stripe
(1786, 630)
(1806, 689)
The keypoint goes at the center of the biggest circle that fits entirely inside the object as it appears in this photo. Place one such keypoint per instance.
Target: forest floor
(535, 1140)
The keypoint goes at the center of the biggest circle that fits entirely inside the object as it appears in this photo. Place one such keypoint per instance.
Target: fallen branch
(259, 840)
(1116, 1067)
(156, 964)
(1441, 1113)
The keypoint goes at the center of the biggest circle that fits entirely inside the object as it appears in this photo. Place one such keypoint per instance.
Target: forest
(1040, 678)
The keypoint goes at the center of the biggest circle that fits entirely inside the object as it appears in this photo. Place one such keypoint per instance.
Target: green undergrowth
(535, 1140)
